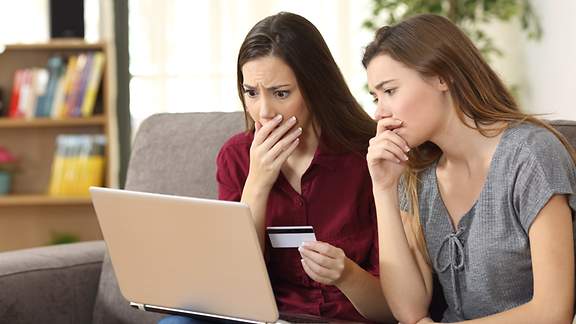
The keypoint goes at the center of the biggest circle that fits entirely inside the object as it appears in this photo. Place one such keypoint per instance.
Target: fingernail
(293, 118)
(299, 130)
(278, 117)
(406, 149)
(300, 249)
(405, 158)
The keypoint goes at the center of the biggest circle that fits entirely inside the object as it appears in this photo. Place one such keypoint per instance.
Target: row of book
(67, 87)
(78, 163)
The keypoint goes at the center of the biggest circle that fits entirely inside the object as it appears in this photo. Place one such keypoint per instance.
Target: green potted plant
(471, 16)
(8, 165)
(64, 238)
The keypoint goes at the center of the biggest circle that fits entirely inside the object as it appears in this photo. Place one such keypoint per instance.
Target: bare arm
(552, 248)
(405, 277)
(256, 197)
(329, 265)
(364, 291)
(273, 143)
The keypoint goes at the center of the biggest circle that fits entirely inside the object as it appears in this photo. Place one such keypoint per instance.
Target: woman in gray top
(466, 186)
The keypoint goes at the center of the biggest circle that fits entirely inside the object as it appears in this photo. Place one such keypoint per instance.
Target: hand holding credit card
(290, 236)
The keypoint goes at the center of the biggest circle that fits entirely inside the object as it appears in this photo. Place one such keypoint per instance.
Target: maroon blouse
(336, 200)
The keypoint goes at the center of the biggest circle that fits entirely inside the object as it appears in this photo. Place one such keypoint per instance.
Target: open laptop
(187, 256)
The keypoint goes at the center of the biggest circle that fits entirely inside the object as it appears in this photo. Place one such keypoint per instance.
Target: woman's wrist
(349, 273)
(385, 190)
(256, 188)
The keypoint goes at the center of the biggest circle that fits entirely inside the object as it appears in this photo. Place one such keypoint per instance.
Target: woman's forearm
(364, 291)
(256, 197)
(401, 279)
(531, 312)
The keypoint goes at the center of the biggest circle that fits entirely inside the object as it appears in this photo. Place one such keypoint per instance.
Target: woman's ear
(441, 84)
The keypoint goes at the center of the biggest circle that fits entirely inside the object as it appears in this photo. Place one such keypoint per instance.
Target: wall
(543, 70)
(550, 65)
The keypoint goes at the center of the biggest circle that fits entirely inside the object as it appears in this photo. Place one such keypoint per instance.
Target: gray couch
(172, 154)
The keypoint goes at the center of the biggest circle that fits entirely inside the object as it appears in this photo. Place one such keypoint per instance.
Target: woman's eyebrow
(383, 83)
(272, 88)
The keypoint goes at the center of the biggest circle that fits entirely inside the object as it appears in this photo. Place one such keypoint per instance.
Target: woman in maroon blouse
(302, 162)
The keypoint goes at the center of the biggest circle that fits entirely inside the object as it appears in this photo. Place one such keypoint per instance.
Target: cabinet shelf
(42, 200)
(56, 45)
(49, 122)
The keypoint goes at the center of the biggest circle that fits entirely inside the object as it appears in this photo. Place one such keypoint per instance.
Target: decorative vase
(5, 179)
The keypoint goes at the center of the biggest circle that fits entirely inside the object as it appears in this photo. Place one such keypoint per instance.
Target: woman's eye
(282, 94)
(375, 100)
(390, 91)
(250, 92)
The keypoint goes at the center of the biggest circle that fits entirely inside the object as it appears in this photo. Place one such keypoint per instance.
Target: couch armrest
(55, 284)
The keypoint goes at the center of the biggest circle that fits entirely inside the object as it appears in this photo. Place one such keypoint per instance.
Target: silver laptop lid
(185, 253)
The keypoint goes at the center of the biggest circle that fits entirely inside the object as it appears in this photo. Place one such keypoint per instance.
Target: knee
(176, 320)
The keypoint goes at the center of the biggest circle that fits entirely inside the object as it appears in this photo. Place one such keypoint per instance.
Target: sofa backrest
(567, 128)
(176, 153)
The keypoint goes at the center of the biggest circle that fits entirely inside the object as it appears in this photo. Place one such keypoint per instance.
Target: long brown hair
(295, 40)
(433, 46)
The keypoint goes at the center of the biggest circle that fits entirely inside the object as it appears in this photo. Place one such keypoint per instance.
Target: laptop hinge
(202, 316)
(138, 305)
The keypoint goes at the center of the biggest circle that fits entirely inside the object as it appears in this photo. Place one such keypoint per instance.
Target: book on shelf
(66, 87)
(55, 70)
(78, 163)
(92, 84)
(2, 103)
(15, 98)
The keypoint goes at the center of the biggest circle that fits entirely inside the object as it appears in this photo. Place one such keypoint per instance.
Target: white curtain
(183, 53)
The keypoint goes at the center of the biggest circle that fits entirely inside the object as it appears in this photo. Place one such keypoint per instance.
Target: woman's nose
(266, 110)
(381, 112)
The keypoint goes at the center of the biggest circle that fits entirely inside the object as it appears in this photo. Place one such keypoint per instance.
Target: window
(183, 53)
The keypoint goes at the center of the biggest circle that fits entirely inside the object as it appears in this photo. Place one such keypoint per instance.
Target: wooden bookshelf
(42, 200)
(74, 45)
(49, 122)
(28, 215)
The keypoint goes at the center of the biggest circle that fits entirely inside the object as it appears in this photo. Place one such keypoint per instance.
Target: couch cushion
(567, 128)
(172, 154)
(54, 284)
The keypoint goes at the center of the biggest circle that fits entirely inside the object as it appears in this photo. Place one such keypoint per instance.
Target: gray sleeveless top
(484, 264)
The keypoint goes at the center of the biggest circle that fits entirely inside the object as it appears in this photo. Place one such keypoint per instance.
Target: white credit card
(290, 236)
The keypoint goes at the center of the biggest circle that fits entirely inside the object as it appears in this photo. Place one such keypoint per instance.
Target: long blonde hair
(433, 46)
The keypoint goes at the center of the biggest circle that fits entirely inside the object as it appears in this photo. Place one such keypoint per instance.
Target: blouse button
(299, 202)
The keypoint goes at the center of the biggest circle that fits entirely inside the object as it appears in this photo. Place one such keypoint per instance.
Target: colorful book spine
(61, 110)
(74, 90)
(38, 93)
(2, 104)
(55, 70)
(79, 163)
(93, 84)
(15, 97)
(25, 93)
(81, 89)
